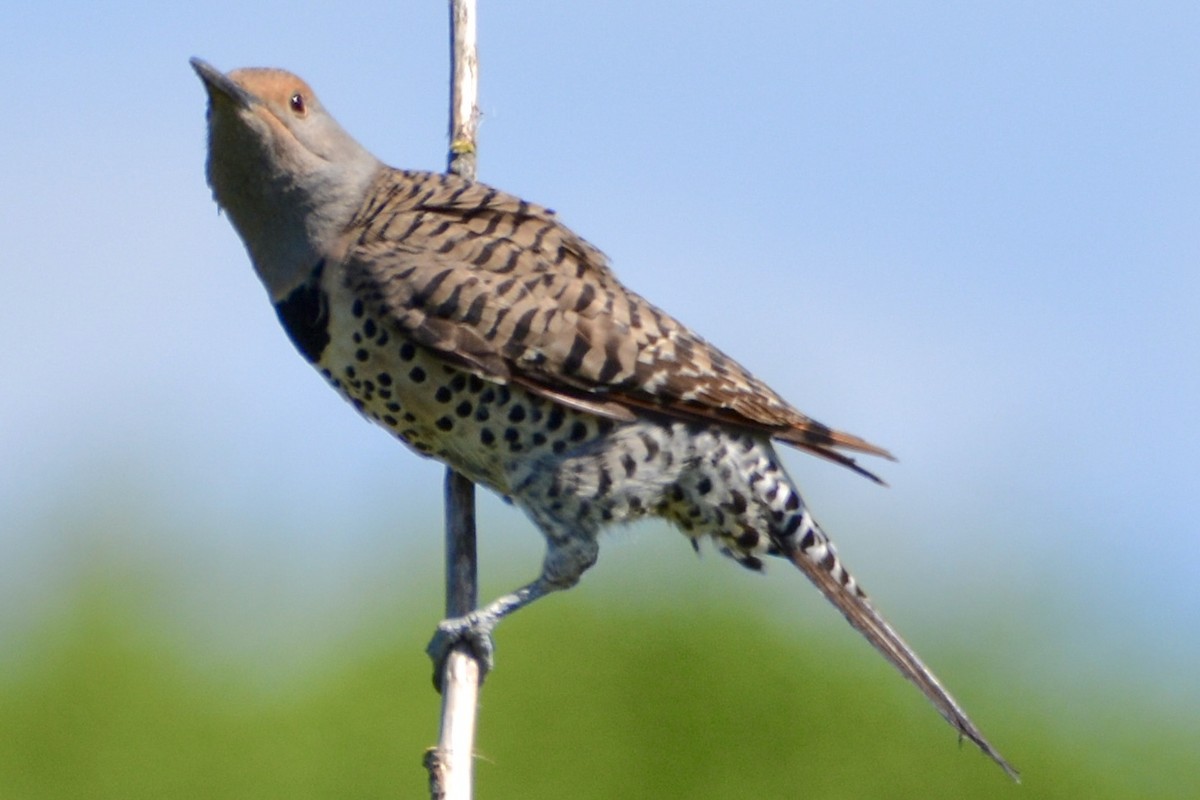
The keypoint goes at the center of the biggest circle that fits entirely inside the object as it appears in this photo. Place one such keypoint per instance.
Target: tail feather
(813, 553)
(830, 454)
(815, 438)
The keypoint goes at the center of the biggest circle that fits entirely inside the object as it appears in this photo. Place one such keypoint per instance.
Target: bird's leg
(566, 561)
(475, 628)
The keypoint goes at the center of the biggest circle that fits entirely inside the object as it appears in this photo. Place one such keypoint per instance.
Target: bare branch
(450, 764)
(464, 89)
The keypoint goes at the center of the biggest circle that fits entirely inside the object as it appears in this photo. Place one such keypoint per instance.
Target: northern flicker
(479, 330)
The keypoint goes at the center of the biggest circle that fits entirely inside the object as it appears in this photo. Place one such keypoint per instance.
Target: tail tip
(986, 747)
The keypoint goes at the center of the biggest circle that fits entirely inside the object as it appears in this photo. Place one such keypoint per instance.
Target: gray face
(289, 177)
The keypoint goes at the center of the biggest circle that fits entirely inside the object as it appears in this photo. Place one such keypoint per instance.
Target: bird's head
(289, 176)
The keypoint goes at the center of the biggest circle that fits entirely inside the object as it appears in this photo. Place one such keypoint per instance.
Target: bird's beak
(218, 83)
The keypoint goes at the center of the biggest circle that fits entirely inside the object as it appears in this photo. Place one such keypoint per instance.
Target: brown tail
(814, 555)
(815, 438)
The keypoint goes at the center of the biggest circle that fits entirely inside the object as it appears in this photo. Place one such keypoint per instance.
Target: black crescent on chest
(304, 314)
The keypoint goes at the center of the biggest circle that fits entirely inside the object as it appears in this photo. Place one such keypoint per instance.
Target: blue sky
(968, 232)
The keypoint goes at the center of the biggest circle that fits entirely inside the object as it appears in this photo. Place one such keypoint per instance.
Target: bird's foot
(473, 630)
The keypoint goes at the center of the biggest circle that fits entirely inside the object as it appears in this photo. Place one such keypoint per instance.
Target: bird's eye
(297, 103)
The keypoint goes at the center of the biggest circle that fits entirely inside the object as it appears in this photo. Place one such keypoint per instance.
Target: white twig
(451, 763)
(464, 88)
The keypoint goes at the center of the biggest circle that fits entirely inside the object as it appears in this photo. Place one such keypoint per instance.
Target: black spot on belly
(629, 464)
(748, 540)
(304, 314)
(751, 563)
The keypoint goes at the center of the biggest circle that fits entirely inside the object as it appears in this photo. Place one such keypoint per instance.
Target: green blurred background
(968, 232)
(661, 676)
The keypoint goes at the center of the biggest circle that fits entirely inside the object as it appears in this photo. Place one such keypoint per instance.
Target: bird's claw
(472, 630)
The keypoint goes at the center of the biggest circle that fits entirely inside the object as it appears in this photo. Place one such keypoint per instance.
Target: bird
(479, 330)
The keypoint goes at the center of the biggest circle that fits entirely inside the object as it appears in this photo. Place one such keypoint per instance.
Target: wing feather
(501, 287)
